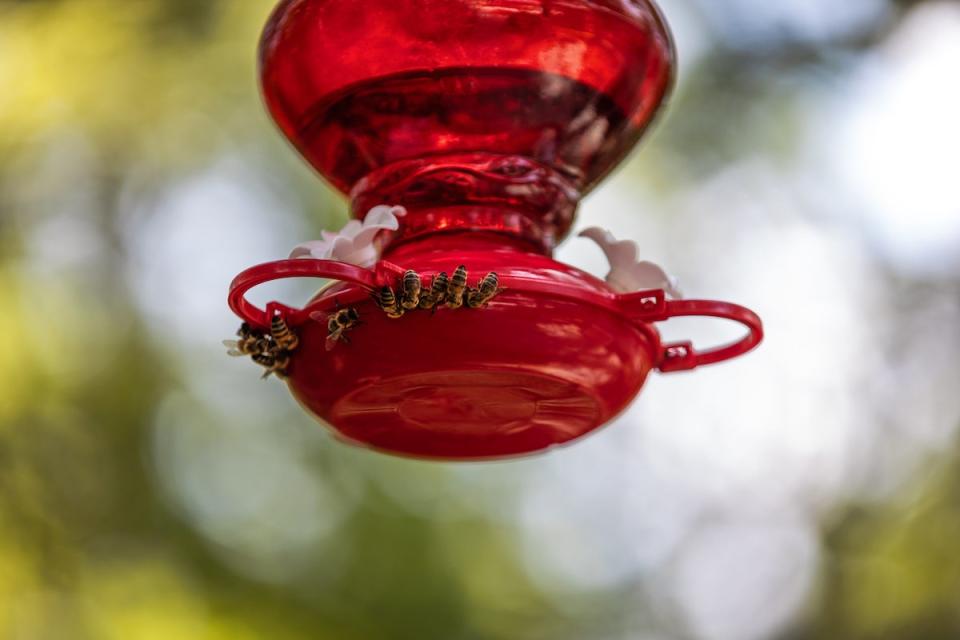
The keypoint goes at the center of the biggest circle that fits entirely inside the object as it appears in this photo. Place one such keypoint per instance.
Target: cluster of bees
(272, 350)
(269, 350)
(444, 291)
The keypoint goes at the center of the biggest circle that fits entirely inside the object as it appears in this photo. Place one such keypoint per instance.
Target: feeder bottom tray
(515, 377)
(550, 355)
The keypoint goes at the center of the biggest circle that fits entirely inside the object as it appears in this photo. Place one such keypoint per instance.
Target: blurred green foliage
(107, 104)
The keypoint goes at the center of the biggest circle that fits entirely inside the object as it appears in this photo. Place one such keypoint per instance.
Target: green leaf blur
(151, 488)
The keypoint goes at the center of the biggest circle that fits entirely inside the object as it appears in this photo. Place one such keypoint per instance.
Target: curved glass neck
(481, 192)
(402, 251)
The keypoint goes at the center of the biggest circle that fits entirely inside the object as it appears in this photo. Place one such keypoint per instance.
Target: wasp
(438, 292)
(275, 362)
(339, 323)
(456, 288)
(485, 291)
(388, 302)
(283, 337)
(249, 342)
(410, 290)
(264, 349)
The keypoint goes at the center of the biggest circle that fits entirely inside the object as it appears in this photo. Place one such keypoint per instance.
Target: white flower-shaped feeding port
(356, 243)
(627, 273)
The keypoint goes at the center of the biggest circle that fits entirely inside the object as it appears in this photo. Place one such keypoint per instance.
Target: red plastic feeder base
(487, 121)
(552, 357)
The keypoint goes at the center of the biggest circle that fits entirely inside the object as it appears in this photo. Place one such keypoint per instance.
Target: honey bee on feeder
(485, 291)
(338, 324)
(388, 303)
(275, 363)
(482, 375)
(437, 293)
(410, 287)
(283, 336)
(269, 350)
(248, 343)
(456, 288)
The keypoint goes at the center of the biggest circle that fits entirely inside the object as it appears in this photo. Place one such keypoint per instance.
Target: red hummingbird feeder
(465, 133)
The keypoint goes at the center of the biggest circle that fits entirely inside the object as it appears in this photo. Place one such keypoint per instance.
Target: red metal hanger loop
(682, 356)
(644, 307)
(298, 268)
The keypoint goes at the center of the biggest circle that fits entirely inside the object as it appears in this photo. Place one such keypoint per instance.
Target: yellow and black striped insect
(263, 348)
(437, 293)
(456, 288)
(275, 362)
(283, 337)
(339, 323)
(485, 291)
(388, 303)
(410, 287)
(248, 342)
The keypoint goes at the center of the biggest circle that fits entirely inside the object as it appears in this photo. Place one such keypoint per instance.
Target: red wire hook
(643, 307)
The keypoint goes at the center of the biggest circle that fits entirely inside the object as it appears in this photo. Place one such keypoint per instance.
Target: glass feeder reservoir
(465, 132)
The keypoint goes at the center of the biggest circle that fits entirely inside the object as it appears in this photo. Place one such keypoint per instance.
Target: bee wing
(332, 341)
(233, 348)
(319, 316)
(266, 374)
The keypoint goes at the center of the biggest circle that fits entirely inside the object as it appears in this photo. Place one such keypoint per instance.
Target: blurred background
(150, 487)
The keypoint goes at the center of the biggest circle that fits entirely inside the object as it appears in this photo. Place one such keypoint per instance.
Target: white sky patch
(782, 430)
(778, 427)
(896, 142)
(745, 581)
(689, 33)
(783, 423)
(67, 241)
(594, 515)
(746, 22)
(187, 248)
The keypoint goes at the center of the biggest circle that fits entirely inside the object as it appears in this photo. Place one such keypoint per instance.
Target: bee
(438, 292)
(265, 349)
(456, 287)
(283, 337)
(388, 302)
(339, 323)
(275, 362)
(485, 291)
(249, 342)
(410, 290)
